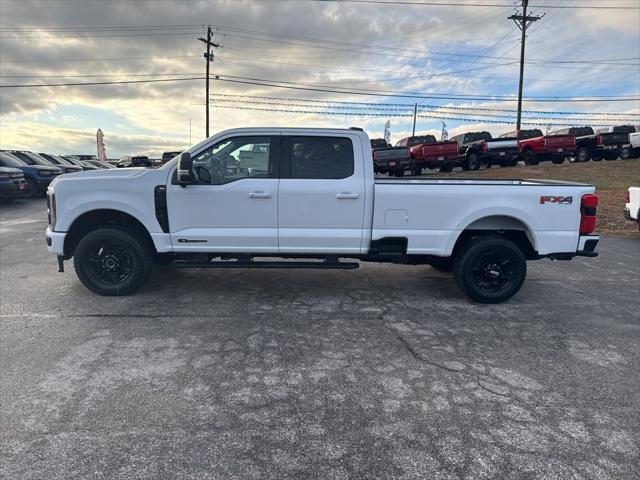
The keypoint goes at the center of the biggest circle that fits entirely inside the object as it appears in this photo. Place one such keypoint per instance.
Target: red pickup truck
(427, 152)
(535, 147)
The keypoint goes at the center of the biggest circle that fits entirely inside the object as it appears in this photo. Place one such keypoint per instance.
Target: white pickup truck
(307, 198)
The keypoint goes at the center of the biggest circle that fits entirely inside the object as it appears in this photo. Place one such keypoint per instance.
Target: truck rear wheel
(490, 269)
(557, 160)
(530, 158)
(416, 169)
(473, 162)
(113, 262)
(583, 155)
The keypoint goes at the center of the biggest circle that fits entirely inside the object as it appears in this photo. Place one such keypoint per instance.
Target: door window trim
(286, 164)
(275, 159)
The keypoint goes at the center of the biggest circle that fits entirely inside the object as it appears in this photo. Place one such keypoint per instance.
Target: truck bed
(548, 211)
(488, 181)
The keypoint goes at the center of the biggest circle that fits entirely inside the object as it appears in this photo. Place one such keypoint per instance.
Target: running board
(267, 264)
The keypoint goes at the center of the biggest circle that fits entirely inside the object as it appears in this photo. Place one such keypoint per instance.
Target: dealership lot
(386, 371)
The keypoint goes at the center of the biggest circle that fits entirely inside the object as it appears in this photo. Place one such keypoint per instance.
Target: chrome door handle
(347, 196)
(259, 195)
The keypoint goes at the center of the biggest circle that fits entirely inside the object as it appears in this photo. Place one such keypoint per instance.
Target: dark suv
(37, 176)
(138, 161)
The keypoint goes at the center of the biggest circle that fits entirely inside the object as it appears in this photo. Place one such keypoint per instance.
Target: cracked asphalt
(382, 372)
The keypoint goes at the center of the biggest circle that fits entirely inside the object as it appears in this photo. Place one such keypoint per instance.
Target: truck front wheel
(490, 269)
(113, 262)
(530, 158)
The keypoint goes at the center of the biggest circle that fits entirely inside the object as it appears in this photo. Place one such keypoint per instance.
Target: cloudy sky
(373, 55)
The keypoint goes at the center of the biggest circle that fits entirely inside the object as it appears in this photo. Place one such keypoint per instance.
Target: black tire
(625, 153)
(416, 169)
(530, 158)
(583, 155)
(113, 262)
(610, 155)
(442, 264)
(597, 157)
(473, 162)
(399, 173)
(557, 160)
(490, 269)
(446, 168)
(31, 188)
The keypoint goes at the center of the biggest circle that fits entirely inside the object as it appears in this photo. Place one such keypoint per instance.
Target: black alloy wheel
(490, 269)
(110, 261)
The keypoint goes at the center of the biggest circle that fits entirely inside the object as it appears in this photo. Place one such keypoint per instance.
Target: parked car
(83, 157)
(166, 156)
(632, 205)
(634, 146)
(316, 198)
(74, 161)
(37, 177)
(586, 143)
(98, 164)
(613, 140)
(60, 162)
(427, 152)
(12, 184)
(135, 161)
(535, 147)
(388, 159)
(480, 148)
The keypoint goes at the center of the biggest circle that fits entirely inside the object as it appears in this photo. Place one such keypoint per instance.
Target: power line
(81, 84)
(407, 108)
(484, 5)
(376, 104)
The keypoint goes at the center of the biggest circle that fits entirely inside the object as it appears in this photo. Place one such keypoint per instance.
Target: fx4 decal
(558, 200)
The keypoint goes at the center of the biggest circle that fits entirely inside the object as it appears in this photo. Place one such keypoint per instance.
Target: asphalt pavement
(381, 372)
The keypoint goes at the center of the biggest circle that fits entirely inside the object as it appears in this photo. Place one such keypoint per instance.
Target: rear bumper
(627, 215)
(392, 165)
(12, 188)
(587, 246)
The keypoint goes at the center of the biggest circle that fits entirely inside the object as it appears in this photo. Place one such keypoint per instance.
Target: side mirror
(185, 169)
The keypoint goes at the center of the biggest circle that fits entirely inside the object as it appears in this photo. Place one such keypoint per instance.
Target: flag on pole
(102, 154)
(387, 131)
(445, 134)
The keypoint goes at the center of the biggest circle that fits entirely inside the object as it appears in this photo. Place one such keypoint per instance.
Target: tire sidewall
(141, 256)
(530, 158)
(478, 246)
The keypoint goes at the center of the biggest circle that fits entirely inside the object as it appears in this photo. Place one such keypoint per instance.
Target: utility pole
(522, 21)
(415, 114)
(208, 59)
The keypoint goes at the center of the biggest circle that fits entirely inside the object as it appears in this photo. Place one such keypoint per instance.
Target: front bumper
(587, 246)
(55, 241)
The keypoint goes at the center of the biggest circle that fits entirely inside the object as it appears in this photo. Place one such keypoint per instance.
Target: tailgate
(553, 142)
(394, 153)
(502, 145)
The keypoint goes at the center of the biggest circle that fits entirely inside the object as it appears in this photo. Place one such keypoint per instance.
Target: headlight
(51, 208)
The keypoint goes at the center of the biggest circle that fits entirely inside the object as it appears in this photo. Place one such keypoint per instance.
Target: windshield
(421, 139)
(624, 129)
(530, 133)
(9, 160)
(33, 159)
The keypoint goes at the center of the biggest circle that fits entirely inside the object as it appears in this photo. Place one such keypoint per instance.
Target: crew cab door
(232, 206)
(321, 197)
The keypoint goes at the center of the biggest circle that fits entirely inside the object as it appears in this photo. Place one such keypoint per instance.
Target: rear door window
(321, 157)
